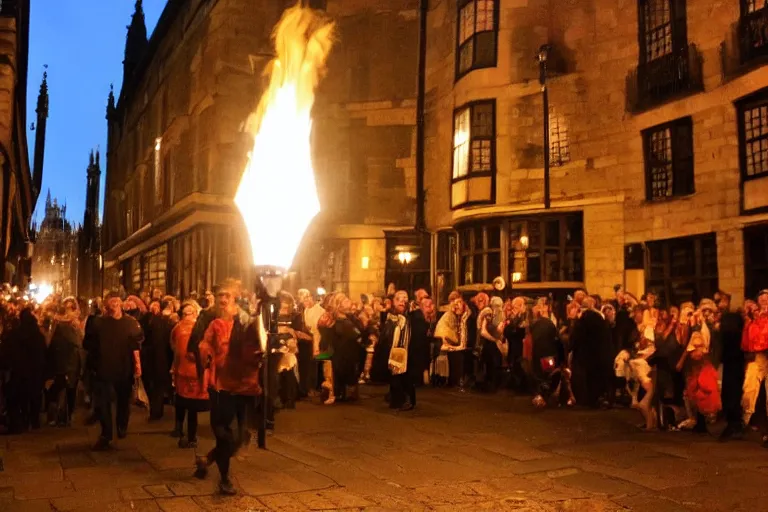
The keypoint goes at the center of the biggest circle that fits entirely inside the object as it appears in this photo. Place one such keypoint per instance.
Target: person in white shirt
(309, 342)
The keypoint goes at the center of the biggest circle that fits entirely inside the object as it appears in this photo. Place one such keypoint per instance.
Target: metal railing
(665, 78)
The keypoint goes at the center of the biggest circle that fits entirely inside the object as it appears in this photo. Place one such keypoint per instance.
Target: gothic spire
(40, 129)
(135, 43)
(97, 160)
(90, 160)
(111, 102)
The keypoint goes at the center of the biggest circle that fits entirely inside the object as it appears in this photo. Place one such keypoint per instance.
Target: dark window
(755, 259)
(753, 29)
(547, 249)
(668, 152)
(480, 255)
(753, 135)
(683, 269)
(668, 66)
(663, 28)
(477, 35)
(474, 154)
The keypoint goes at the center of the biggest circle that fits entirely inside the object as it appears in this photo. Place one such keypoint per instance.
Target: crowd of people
(680, 366)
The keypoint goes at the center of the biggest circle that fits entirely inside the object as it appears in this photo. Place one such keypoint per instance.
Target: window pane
(466, 22)
(574, 231)
(534, 234)
(482, 120)
(478, 241)
(466, 55)
(461, 143)
(573, 266)
(533, 267)
(477, 268)
(466, 240)
(552, 233)
(709, 257)
(485, 15)
(552, 265)
(481, 155)
(494, 265)
(466, 275)
(485, 53)
(494, 236)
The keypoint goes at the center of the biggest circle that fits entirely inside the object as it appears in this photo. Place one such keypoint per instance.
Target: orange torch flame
(279, 169)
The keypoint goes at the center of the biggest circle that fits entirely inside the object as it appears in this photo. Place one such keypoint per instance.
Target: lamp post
(279, 167)
(542, 58)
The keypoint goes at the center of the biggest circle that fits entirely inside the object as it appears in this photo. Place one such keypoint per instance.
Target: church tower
(135, 45)
(88, 281)
(40, 128)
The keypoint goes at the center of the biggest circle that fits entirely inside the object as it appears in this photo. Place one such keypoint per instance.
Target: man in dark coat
(731, 328)
(592, 349)
(156, 358)
(547, 354)
(114, 349)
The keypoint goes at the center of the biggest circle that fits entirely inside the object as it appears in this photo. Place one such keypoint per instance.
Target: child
(701, 390)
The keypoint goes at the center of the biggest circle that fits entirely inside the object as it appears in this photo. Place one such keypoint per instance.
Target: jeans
(122, 391)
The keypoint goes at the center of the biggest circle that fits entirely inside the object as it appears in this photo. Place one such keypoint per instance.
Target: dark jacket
(64, 353)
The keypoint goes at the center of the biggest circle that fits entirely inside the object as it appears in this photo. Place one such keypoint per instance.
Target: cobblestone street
(454, 452)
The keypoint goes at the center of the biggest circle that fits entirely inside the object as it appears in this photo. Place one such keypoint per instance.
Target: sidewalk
(455, 452)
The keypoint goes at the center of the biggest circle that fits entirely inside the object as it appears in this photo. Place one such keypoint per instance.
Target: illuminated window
(474, 159)
(477, 35)
(559, 147)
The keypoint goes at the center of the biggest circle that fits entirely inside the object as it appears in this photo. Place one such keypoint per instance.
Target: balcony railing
(664, 79)
(753, 35)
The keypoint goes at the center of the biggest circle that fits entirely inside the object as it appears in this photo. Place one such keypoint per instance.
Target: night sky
(82, 42)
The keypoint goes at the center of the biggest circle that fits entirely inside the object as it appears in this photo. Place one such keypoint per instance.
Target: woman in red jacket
(701, 387)
(191, 394)
(754, 343)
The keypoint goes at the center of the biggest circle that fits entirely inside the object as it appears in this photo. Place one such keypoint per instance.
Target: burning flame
(277, 196)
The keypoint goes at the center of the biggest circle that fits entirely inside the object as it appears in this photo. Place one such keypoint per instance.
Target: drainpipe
(420, 97)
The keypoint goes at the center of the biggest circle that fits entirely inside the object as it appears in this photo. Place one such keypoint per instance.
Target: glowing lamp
(524, 241)
(517, 277)
(279, 167)
(365, 262)
(404, 257)
(321, 291)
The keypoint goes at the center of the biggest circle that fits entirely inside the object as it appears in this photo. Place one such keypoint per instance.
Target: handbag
(140, 396)
(398, 360)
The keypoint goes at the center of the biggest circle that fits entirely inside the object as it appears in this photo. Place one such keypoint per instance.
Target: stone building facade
(658, 123)
(658, 145)
(176, 149)
(19, 189)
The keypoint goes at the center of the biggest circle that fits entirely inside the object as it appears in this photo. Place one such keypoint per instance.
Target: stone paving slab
(455, 452)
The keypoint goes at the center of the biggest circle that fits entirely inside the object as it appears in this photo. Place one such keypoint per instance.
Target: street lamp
(542, 57)
(279, 167)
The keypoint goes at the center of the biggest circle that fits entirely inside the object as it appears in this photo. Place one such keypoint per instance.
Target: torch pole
(270, 280)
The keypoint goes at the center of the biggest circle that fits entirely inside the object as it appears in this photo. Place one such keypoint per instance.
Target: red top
(755, 336)
(702, 389)
(237, 373)
(184, 369)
